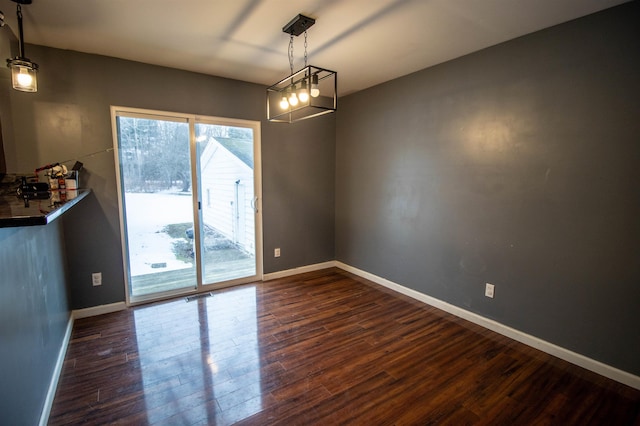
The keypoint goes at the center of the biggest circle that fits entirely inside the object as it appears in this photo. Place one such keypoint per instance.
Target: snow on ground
(147, 214)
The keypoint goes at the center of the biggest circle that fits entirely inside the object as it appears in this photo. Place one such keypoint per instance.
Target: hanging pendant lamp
(309, 92)
(23, 70)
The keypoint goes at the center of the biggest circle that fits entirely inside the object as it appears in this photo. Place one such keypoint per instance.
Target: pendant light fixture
(23, 71)
(309, 92)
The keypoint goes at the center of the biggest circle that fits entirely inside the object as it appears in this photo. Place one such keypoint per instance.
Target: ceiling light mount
(23, 70)
(298, 25)
(309, 92)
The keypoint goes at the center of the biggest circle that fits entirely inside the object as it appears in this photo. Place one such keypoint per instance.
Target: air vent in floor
(197, 296)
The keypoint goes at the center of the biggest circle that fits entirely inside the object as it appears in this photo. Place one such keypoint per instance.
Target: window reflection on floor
(212, 371)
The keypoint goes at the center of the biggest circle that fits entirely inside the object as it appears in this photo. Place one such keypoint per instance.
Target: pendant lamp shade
(23, 74)
(23, 71)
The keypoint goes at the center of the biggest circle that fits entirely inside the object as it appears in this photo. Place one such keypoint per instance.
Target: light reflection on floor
(213, 368)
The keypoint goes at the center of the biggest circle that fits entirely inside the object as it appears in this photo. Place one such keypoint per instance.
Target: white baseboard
(550, 348)
(99, 310)
(55, 376)
(300, 270)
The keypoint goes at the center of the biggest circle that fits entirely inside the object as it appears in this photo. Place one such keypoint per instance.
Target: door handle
(254, 204)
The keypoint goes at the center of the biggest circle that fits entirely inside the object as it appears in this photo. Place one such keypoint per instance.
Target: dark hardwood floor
(320, 348)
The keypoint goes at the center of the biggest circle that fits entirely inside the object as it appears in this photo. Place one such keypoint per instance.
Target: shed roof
(241, 148)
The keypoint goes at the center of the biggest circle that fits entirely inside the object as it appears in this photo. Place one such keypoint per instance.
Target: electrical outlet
(96, 278)
(489, 290)
(276, 252)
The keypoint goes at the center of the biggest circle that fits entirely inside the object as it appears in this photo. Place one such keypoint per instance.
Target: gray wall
(8, 43)
(34, 312)
(518, 165)
(69, 118)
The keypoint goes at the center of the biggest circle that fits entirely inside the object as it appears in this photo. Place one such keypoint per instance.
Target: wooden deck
(186, 278)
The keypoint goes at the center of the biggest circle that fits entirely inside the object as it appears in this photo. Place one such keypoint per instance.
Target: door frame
(197, 197)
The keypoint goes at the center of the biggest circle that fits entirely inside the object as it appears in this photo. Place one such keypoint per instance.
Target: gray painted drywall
(301, 185)
(69, 118)
(8, 43)
(519, 166)
(34, 313)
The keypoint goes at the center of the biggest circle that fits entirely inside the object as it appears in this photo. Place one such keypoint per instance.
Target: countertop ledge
(15, 212)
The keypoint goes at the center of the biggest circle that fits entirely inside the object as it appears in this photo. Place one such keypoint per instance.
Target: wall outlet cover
(96, 278)
(489, 290)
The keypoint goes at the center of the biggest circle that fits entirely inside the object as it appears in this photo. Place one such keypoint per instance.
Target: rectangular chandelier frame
(325, 102)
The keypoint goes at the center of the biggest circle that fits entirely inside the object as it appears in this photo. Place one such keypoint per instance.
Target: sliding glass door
(188, 190)
(225, 166)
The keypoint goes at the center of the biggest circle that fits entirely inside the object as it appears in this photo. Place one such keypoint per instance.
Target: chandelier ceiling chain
(291, 53)
(305, 48)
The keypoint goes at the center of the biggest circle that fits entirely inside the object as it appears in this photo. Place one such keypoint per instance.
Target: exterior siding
(220, 170)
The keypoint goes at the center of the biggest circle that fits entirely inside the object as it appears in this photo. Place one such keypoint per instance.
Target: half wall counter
(35, 311)
(35, 209)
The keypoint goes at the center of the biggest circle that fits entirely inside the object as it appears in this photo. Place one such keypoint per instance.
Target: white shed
(226, 180)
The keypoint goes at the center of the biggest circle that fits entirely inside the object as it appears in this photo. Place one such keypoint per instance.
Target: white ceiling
(366, 41)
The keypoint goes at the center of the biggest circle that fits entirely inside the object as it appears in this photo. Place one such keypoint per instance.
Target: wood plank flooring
(323, 348)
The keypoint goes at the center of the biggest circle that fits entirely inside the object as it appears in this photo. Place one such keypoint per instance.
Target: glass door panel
(157, 204)
(227, 216)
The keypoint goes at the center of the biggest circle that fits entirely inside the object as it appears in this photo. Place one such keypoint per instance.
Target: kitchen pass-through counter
(21, 210)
